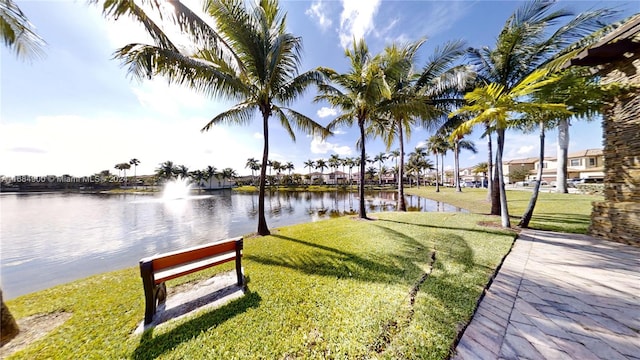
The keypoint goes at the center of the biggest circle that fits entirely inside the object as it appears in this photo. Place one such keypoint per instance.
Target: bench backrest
(176, 258)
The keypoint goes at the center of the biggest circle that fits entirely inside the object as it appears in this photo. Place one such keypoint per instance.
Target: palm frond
(240, 114)
(18, 33)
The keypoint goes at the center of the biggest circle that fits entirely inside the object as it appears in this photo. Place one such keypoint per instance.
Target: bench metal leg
(239, 246)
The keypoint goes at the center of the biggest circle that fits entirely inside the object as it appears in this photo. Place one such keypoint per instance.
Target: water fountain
(179, 188)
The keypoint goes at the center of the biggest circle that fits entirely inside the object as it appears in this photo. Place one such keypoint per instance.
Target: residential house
(583, 164)
(515, 165)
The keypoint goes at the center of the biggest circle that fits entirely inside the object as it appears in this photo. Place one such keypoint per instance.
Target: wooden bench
(157, 269)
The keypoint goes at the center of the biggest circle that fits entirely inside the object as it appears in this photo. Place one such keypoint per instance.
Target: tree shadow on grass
(329, 261)
(483, 230)
(151, 347)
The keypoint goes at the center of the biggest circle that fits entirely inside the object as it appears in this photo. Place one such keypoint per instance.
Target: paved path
(559, 296)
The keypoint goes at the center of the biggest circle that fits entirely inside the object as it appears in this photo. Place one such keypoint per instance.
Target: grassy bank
(556, 212)
(340, 288)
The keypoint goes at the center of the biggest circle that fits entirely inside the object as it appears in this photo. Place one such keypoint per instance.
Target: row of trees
(249, 57)
(167, 171)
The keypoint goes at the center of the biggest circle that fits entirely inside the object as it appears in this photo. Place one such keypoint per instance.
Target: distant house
(583, 164)
(510, 166)
(616, 58)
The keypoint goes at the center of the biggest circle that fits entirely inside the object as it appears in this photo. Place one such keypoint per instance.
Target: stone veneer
(617, 218)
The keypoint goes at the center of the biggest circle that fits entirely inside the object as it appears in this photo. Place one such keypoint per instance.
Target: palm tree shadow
(329, 261)
(151, 347)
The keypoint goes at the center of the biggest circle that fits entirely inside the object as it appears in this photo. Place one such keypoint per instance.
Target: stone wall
(618, 216)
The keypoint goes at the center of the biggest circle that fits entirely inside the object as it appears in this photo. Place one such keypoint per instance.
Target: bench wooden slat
(173, 272)
(179, 257)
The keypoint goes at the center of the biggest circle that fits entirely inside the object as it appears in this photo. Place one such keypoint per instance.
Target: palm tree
(311, 165)
(583, 97)
(497, 105)
(525, 45)
(351, 163)
(357, 96)
(123, 167)
(435, 145)
(380, 158)
(482, 168)
(419, 97)
(197, 176)
(247, 57)
(277, 166)
(334, 162)
(228, 174)
(166, 170)
(135, 162)
(18, 33)
(182, 171)
(321, 164)
(457, 144)
(254, 165)
(210, 172)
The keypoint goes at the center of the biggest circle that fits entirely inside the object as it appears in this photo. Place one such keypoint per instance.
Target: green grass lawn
(556, 212)
(339, 288)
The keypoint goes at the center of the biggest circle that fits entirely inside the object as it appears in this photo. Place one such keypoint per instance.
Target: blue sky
(76, 111)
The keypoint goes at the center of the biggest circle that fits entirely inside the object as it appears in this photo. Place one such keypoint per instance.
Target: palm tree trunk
(489, 168)
(504, 209)
(8, 324)
(456, 166)
(262, 221)
(442, 168)
(528, 213)
(563, 148)
(402, 205)
(437, 182)
(363, 155)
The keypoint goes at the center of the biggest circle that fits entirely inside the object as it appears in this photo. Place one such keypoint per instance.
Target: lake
(52, 238)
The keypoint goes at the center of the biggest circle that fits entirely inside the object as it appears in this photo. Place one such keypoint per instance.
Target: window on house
(592, 161)
(574, 162)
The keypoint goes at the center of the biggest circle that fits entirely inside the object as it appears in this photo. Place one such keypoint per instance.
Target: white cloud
(525, 150)
(258, 136)
(327, 111)
(319, 146)
(318, 11)
(156, 95)
(356, 20)
(96, 144)
(339, 132)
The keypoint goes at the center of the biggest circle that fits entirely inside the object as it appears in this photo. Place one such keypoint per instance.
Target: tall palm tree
(166, 170)
(277, 166)
(458, 144)
(356, 95)
(525, 44)
(247, 56)
(481, 168)
(197, 176)
(583, 97)
(254, 165)
(228, 174)
(380, 159)
(321, 164)
(311, 165)
(135, 162)
(334, 162)
(210, 172)
(182, 171)
(497, 105)
(419, 97)
(436, 144)
(19, 36)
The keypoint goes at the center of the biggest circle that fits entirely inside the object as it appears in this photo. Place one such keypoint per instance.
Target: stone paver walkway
(559, 296)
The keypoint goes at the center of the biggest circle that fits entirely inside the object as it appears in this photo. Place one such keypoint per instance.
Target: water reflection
(52, 238)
